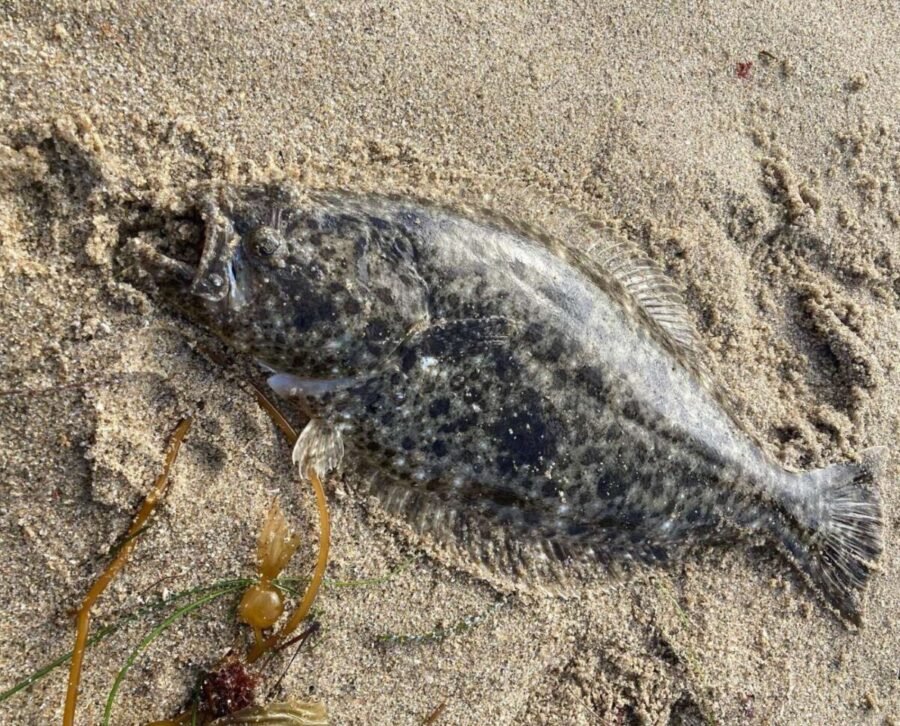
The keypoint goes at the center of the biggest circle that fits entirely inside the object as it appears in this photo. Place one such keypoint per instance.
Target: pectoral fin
(287, 385)
(319, 446)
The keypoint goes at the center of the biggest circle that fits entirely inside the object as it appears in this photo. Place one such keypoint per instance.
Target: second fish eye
(266, 241)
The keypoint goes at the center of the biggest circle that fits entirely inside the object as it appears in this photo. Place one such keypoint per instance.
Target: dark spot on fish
(435, 343)
(376, 331)
(341, 224)
(322, 309)
(407, 444)
(657, 553)
(500, 497)
(528, 435)
(656, 487)
(505, 366)
(379, 223)
(639, 450)
(303, 321)
(408, 360)
(593, 380)
(505, 465)
(473, 396)
(533, 334)
(632, 411)
(372, 400)
(554, 351)
(352, 307)
(384, 295)
(439, 407)
(548, 351)
(632, 519)
(517, 268)
(439, 447)
(531, 517)
(611, 487)
(403, 250)
(693, 515)
(612, 434)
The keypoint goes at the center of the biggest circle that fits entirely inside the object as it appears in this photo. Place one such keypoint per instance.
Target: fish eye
(266, 241)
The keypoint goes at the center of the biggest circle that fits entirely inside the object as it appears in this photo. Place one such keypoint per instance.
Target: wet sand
(754, 153)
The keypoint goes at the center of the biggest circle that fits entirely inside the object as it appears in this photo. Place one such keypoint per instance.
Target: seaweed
(112, 569)
(228, 690)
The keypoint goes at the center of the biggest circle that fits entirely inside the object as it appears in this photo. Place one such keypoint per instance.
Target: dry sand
(770, 192)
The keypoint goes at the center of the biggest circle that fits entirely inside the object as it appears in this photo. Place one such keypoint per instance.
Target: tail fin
(838, 538)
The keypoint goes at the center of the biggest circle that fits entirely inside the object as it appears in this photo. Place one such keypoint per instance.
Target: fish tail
(838, 534)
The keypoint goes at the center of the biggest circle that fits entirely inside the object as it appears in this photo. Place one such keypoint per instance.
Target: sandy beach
(751, 150)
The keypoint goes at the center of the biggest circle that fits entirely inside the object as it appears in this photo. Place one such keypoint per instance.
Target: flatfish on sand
(533, 404)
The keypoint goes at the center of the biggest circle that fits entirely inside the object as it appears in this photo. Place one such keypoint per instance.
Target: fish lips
(214, 277)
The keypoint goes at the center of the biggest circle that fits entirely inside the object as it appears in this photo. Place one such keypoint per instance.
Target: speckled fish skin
(503, 398)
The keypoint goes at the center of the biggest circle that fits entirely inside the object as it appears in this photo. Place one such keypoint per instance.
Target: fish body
(513, 396)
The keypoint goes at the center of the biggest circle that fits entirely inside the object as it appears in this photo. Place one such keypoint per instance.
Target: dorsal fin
(602, 257)
(650, 288)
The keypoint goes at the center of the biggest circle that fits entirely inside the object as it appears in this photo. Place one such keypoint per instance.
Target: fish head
(276, 274)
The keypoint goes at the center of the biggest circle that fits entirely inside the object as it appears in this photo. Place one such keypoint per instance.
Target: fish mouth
(165, 269)
(169, 253)
(195, 254)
